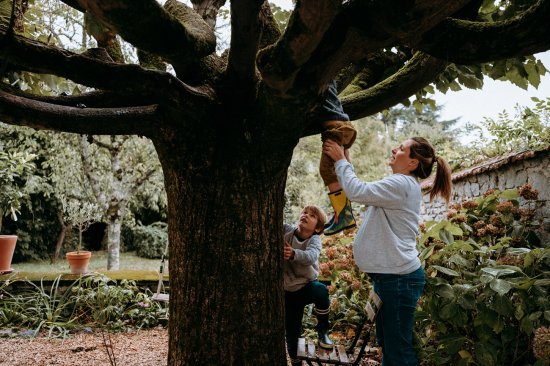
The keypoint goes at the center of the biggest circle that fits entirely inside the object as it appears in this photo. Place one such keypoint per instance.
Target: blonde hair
(320, 214)
(423, 151)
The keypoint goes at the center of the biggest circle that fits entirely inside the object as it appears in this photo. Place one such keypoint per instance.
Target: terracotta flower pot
(7, 247)
(78, 261)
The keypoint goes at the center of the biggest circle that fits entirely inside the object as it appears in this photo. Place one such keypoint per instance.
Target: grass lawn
(98, 263)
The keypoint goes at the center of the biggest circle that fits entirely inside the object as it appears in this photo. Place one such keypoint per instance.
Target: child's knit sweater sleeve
(310, 255)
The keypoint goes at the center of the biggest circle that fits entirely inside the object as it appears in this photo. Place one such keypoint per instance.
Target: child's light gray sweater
(304, 268)
(386, 240)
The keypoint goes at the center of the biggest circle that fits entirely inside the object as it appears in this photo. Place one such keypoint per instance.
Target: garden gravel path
(144, 347)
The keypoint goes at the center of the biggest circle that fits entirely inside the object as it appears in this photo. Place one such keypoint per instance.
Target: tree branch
(185, 37)
(94, 99)
(100, 143)
(208, 10)
(359, 30)
(74, 4)
(103, 121)
(403, 21)
(270, 28)
(420, 71)
(308, 23)
(369, 71)
(141, 180)
(467, 42)
(245, 36)
(22, 54)
(89, 173)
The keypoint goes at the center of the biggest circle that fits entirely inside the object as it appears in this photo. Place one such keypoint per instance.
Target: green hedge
(37, 229)
(149, 241)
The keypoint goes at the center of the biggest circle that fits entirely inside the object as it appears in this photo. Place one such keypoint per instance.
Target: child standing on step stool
(302, 246)
(338, 128)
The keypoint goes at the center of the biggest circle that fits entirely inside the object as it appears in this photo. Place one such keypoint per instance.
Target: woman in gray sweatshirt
(385, 245)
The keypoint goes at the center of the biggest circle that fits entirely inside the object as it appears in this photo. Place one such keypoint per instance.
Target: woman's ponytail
(442, 185)
(423, 151)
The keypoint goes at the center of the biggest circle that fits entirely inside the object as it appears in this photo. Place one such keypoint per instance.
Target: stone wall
(506, 172)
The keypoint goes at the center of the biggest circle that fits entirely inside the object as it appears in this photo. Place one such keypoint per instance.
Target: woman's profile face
(400, 161)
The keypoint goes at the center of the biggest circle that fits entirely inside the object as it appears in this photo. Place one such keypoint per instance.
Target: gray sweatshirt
(304, 268)
(386, 240)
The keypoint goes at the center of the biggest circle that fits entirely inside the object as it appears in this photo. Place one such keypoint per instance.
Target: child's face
(308, 221)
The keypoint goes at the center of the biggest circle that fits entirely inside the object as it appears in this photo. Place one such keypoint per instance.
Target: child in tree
(338, 128)
(302, 246)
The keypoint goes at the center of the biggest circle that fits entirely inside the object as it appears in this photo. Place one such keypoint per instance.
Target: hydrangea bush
(486, 296)
(487, 282)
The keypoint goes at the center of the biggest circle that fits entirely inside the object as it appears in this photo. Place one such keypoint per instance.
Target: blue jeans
(395, 321)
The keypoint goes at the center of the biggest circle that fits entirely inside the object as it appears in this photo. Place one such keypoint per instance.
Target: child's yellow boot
(343, 214)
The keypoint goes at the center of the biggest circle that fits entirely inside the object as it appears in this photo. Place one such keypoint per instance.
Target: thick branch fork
(280, 63)
(157, 31)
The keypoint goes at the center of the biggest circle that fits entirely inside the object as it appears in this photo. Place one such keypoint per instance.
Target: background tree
(225, 126)
(528, 129)
(15, 169)
(75, 170)
(425, 120)
(36, 236)
(116, 168)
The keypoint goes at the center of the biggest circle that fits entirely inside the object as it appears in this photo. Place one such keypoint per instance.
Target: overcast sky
(496, 96)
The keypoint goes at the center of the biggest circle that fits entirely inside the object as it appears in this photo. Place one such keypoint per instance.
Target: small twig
(108, 344)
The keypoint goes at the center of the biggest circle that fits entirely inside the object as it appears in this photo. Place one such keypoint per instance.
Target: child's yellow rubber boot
(343, 214)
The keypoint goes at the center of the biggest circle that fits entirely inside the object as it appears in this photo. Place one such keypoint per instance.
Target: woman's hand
(333, 150)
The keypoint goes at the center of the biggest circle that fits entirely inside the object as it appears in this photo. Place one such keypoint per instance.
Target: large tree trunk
(226, 300)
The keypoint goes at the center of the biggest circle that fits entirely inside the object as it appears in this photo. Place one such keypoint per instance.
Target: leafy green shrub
(15, 168)
(487, 282)
(38, 309)
(100, 301)
(92, 301)
(528, 129)
(37, 229)
(149, 241)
